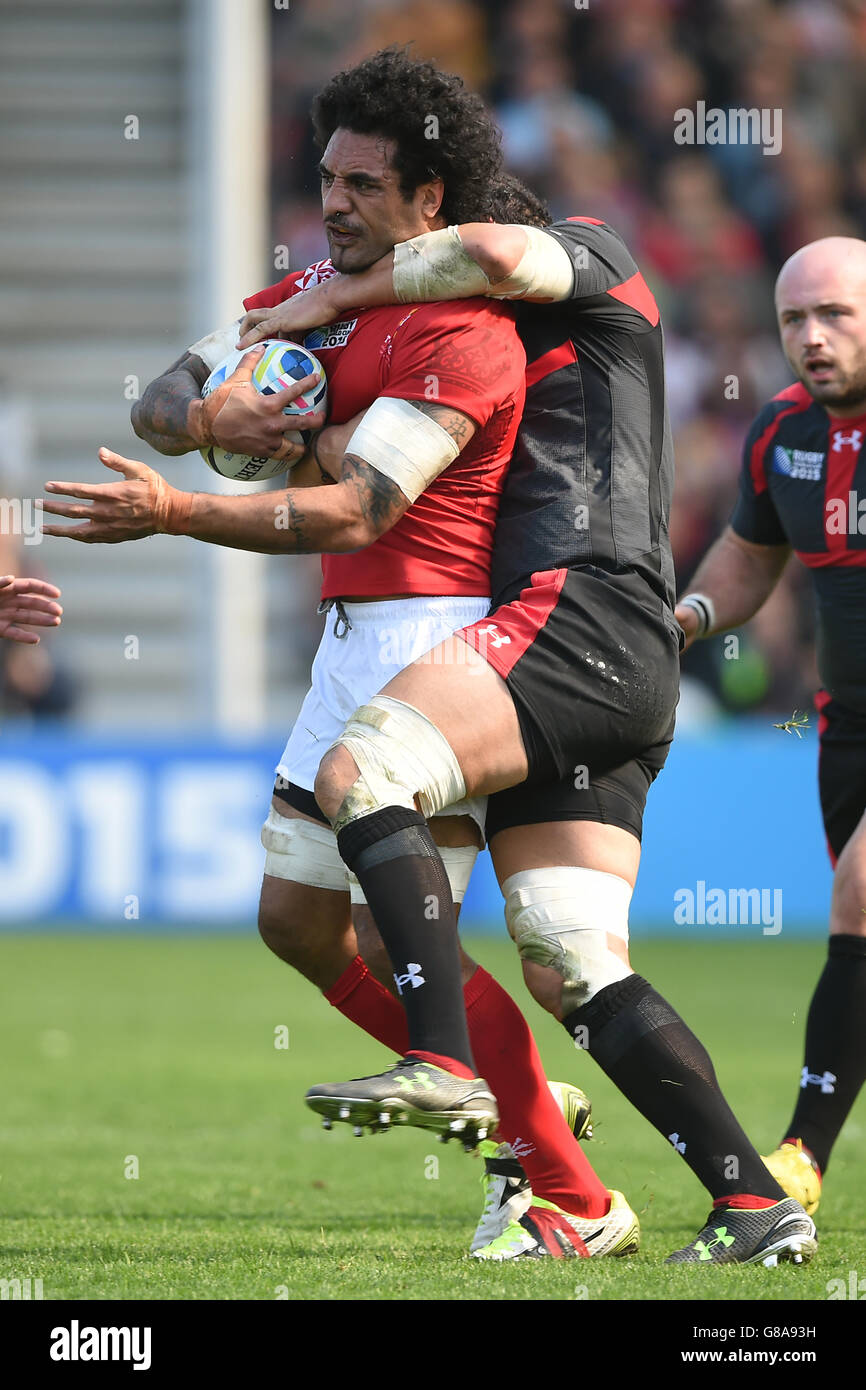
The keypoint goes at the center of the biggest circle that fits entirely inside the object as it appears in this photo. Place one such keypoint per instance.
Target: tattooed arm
(162, 417)
(335, 519)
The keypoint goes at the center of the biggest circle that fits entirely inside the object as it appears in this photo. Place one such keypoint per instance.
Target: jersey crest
(315, 274)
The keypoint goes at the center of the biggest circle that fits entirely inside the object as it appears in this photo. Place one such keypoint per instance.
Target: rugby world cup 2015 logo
(797, 463)
(335, 335)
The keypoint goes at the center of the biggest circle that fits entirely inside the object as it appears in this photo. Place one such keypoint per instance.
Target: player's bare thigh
(309, 928)
(848, 905)
(571, 844)
(471, 707)
(453, 831)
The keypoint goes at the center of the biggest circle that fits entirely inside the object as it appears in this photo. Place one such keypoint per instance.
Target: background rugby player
(377, 185)
(803, 488)
(583, 574)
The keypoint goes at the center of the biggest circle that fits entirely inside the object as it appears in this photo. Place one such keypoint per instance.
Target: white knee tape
(560, 917)
(303, 852)
(459, 861)
(400, 754)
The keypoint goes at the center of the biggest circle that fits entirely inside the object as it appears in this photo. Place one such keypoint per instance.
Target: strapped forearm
(476, 258)
(483, 259)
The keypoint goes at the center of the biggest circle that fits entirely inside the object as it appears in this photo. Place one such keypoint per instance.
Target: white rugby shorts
(355, 659)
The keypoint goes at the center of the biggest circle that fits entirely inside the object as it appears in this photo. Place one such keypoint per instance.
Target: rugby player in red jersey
(576, 688)
(418, 487)
(802, 489)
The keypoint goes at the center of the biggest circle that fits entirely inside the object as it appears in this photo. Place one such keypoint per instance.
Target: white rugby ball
(282, 365)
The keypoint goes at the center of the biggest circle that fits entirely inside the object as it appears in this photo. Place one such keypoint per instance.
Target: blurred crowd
(585, 92)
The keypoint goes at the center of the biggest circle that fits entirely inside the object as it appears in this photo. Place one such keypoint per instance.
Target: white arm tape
(216, 346)
(403, 443)
(435, 265)
(545, 271)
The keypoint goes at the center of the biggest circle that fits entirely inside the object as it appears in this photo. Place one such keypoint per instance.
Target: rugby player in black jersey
(566, 694)
(803, 489)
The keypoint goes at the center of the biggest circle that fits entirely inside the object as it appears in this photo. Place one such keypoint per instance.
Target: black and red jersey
(803, 475)
(592, 474)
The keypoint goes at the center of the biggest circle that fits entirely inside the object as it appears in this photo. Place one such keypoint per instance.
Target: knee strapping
(400, 754)
(303, 852)
(560, 918)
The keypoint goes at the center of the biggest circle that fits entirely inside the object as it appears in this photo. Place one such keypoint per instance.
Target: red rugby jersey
(464, 354)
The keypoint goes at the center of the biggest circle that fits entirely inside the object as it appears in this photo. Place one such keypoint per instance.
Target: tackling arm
(476, 258)
(737, 576)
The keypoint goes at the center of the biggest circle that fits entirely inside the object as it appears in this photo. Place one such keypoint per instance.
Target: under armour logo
(491, 631)
(679, 1144)
(854, 439)
(412, 977)
(811, 1078)
(704, 1249)
(419, 1081)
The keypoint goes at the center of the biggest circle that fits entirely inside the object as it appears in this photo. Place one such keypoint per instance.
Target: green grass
(162, 1048)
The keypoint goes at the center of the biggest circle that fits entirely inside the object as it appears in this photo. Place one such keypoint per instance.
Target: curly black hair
(439, 129)
(511, 201)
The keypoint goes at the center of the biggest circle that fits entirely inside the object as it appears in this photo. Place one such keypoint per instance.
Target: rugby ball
(282, 364)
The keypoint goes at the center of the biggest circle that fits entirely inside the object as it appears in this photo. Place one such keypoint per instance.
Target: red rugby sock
(359, 997)
(529, 1118)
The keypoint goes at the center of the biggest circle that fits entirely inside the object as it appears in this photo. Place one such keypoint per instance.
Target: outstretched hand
(141, 505)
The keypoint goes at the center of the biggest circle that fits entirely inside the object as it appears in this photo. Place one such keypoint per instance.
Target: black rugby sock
(834, 1064)
(661, 1067)
(407, 889)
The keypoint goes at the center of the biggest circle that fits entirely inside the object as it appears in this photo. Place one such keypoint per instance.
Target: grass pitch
(155, 1144)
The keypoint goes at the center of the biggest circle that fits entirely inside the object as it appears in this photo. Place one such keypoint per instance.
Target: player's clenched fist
(242, 420)
(27, 601)
(141, 505)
